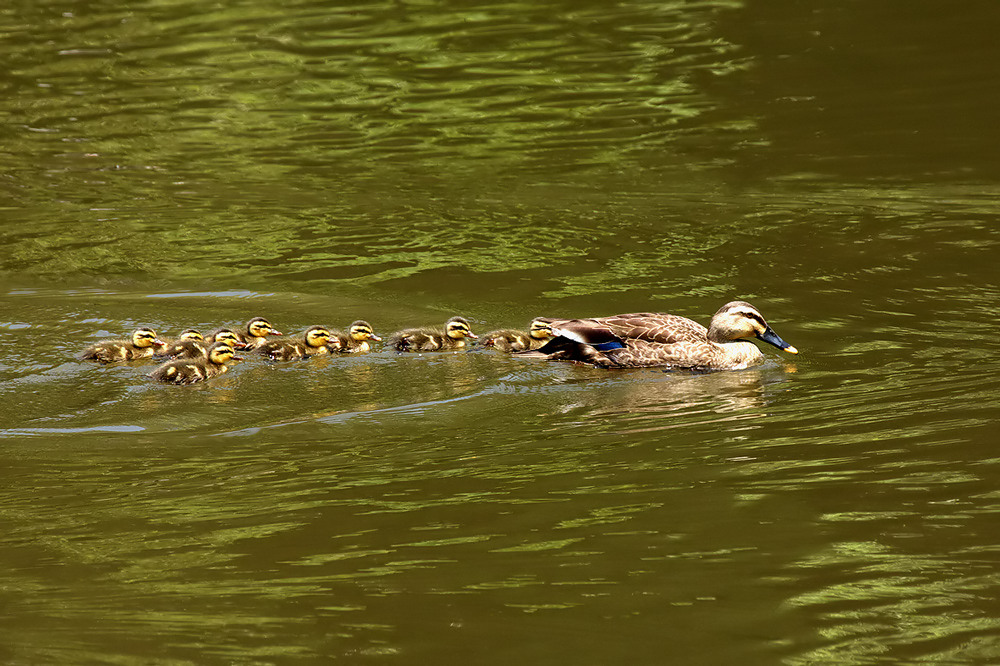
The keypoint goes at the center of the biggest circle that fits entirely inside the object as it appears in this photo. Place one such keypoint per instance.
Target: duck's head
(317, 336)
(540, 330)
(740, 320)
(361, 331)
(457, 328)
(146, 337)
(230, 337)
(258, 327)
(221, 353)
(191, 334)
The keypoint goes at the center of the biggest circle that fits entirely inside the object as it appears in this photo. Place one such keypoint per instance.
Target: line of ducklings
(192, 357)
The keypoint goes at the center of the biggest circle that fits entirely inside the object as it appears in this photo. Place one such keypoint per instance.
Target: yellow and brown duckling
(356, 340)
(226, 335)
(452, 337)
(189, 344)
(190, 371)
(315, 340)
(510, 340)
(254, 334)
(649, 339)
(257, 330)
(142, 344)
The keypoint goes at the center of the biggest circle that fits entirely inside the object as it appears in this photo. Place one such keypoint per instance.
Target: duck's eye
(756, 318)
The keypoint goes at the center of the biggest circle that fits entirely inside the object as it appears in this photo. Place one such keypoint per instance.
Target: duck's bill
(771, 338)
(274, 332)
(237, 358)
(375, 337)
(472, 335)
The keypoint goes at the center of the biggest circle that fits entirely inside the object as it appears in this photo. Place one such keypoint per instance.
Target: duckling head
(317, 336)
(229, 337)
(146, 337)
(361, 331)
(540, 330)
(457, 328)
(739, 320)
(191, 334)
(258, 327)
(222, 352)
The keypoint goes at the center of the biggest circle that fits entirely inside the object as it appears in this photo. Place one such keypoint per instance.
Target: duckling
(189, 371)
(314, 341)
(190, 344)
(257, 331)
(453, 336)
(509, 340)
(141, 345)
(355, 340)
(234, 339)
(648, 339)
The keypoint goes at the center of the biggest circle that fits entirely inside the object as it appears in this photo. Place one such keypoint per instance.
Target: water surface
(178, 164)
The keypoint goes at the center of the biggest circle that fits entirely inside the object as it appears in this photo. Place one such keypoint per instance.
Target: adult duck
(647, 339)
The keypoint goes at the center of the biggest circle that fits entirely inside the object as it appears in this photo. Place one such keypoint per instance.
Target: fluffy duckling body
(315, 340)
(190, 344)
(650, 339)
(452, 337)
(355, 341)
(510, 340)
(190, 371)
(142, 344)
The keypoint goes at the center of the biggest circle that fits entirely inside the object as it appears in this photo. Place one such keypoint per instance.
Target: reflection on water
(180, 164)
(648, 401)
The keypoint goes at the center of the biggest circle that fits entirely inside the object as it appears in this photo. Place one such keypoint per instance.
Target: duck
(142, 344)
(510, 340)
(355, 341)
(189, 344)
(230, 336)
(191, 371)
(647, 339)
(257, 330)
(315, 340)
(451, 337)
(225, 335)
(254, 334)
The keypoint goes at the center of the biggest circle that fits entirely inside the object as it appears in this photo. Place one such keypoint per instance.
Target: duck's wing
(656, 328)
(653, 327)
(640, 339)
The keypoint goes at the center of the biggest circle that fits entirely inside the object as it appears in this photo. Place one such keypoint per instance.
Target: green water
(177, 164)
